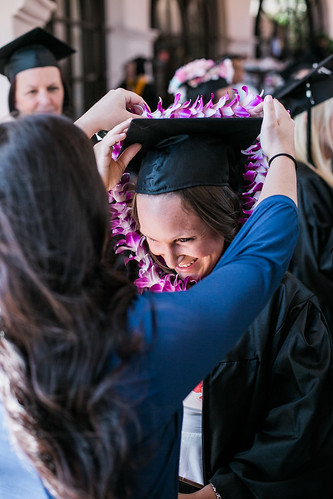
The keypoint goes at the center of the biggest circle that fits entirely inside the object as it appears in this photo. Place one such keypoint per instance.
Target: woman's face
(39, 91)
(180, 237)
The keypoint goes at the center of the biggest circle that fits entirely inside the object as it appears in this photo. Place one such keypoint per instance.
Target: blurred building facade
(108, 33)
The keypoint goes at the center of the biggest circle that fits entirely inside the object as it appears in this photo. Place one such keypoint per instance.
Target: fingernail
(268, 98)
(137, 109)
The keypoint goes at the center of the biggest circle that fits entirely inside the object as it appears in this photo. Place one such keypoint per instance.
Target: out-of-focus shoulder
(6, 118)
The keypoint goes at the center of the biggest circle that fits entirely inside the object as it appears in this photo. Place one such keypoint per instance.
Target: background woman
(31, 64)
(310, 101)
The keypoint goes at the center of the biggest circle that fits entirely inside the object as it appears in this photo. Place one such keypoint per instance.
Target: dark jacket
(312, 262)
(268, 406)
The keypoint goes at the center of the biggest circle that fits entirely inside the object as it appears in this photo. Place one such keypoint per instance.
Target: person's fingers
(135, 102)
(118, 167)
(113, 139)
(127, 155)
(120, 128)
(258, 109)
(137, 110)
(284, 118)
(116, 134)
(269, 112)
(280, 110)
(277, 131)
(136, 113)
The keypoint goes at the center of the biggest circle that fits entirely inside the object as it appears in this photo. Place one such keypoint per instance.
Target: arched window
(80, 24)
(188, 30)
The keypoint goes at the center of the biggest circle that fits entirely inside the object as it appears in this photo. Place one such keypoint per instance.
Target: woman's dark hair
(11, 98)
(67, 109)
(218, 206)
(62, 311)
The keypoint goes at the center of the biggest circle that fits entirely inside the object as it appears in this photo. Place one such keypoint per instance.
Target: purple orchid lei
(150, 275)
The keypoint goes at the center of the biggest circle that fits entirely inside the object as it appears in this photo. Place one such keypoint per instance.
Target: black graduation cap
(180, 152)
(206, 88)
(303, 61)
(314, 88)
(36, 48)
(302, 95)
(140, 65)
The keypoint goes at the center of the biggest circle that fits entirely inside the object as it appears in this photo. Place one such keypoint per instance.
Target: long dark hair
(63, 311)
(218, 206)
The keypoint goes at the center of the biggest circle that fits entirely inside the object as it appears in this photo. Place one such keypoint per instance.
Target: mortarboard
(178, 153)
(205, 89)
(36, 48)
(301, 95)
(305, 61)
(140, 63)
(314, 88)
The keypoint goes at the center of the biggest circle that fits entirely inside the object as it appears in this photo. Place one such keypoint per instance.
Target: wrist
(283, 155)
(217, 494)
(87, 125)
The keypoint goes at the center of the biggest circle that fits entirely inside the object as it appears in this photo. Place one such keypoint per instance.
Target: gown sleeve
(208, 319)
(312, 261)
(269, 424)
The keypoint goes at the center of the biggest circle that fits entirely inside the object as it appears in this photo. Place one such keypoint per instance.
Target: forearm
(206, 492)
(116, 106)
(86, 123)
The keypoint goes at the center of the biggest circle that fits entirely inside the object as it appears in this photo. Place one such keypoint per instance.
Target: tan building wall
(128, 34)
(128, 29)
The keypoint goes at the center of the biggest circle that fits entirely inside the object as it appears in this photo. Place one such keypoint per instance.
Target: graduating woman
(261, 426)
(31, 64)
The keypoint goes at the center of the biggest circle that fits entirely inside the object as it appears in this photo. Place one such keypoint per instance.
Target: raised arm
(116, 106)
(276, 137)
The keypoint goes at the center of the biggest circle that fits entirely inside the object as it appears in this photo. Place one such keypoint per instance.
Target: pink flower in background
(199, 71)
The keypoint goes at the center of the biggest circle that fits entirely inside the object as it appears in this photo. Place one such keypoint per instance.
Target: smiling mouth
(186, 265)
